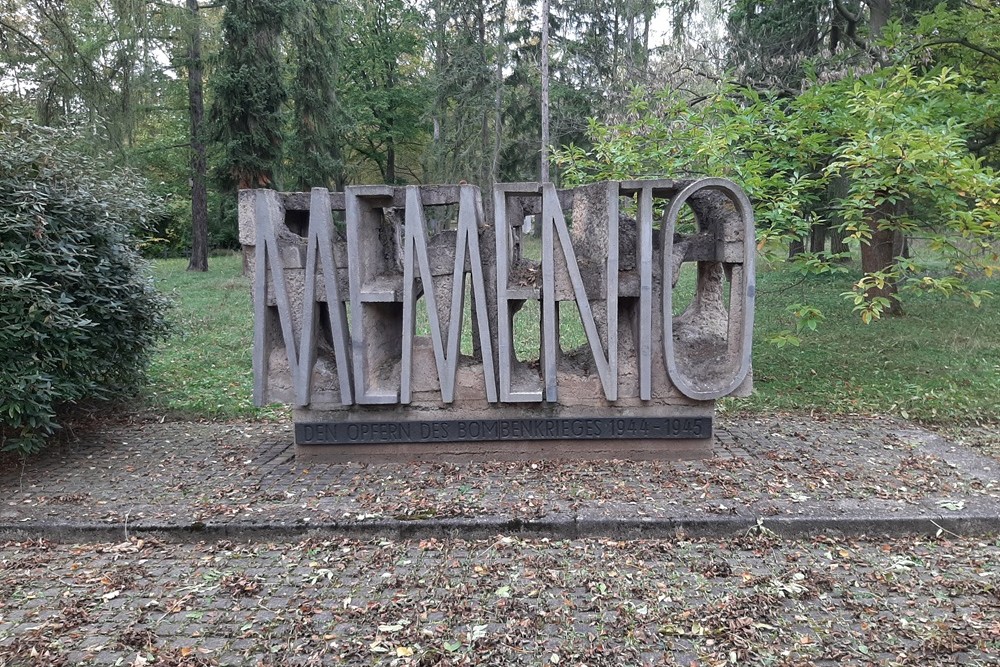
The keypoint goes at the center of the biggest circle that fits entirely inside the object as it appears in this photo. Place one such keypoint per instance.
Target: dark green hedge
(79, 316)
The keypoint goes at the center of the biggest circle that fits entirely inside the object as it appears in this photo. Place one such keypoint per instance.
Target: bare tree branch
(961, 41)
(70, 43)
(843, 11)
(28, 40)
(157, 149)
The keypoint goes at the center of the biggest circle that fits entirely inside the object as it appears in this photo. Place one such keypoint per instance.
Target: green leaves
(893, 141)
(382, 98)
(806, 318)
(78, 316)
(247, 112)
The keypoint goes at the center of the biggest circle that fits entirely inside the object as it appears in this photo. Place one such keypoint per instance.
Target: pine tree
(196, 112)
(316, 153)
(249, 93)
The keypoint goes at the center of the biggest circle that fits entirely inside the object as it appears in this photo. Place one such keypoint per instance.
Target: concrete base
(630, 448)
(461, 452)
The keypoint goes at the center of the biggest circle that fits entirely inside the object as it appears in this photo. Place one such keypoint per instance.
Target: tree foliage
(315, 146)
(893, 133)
(85, 62)
(384, 97)
(869, 118)
(468, 54)
(249, 93)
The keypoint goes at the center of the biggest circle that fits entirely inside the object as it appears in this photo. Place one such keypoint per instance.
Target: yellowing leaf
(404, 651)
(395, 627)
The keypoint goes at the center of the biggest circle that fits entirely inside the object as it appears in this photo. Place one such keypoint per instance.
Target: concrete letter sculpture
(362, 298)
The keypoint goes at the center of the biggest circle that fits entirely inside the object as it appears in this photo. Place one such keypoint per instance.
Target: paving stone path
(755, 599)
(794, 475)
(803, 542)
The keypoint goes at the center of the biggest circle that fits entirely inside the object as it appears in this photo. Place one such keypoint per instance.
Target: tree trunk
(904, 245)
(437, 159)
(647, 20)
(817, 238)
(878, 254)
(796, 247)
(837, 190)
(337, 149)
(196, 110)
(880, 10)
(544, 171)
(616, 46)
(498, 102)
(837, 245)
(484, 110)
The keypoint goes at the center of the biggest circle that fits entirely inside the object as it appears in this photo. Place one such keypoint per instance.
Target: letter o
(690, 387)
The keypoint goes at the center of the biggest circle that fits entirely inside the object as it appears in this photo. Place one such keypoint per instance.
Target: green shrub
(78, 313)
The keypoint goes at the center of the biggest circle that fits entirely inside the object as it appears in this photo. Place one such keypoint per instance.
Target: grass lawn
(939, 363)
(204, 370)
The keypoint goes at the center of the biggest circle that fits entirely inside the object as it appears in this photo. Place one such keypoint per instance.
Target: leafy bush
(78, 314)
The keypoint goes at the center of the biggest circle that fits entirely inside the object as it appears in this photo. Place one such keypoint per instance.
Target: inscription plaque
(488, 430)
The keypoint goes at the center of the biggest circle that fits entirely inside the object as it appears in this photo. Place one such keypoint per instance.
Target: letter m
(279, 275)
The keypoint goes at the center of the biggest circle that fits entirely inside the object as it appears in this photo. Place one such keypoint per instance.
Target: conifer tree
(199, 168)
(316, 155)
(249, 93)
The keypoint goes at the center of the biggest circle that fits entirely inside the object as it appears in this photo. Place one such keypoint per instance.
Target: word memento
(417, 321)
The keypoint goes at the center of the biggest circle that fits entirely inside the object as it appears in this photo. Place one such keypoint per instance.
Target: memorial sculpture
(342, 279)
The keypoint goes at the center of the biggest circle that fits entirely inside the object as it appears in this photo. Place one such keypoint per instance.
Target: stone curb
(962, 524)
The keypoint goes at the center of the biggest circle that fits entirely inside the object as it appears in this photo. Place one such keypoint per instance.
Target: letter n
(554, 224)
(446, 351)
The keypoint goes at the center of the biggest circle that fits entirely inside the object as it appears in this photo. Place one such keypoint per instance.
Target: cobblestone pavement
(796, 475)
(754, 599)
(133, 547)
